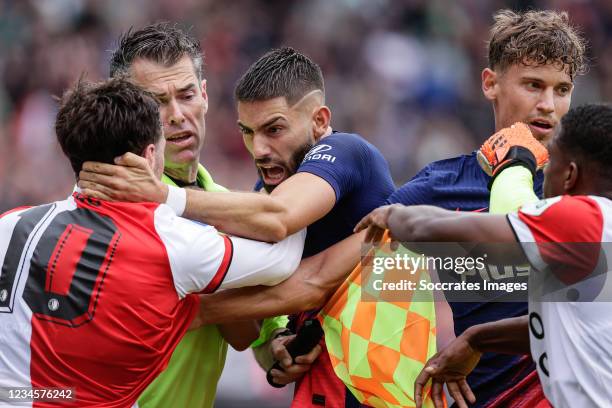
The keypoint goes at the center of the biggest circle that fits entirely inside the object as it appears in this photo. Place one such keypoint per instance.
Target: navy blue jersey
(460, 184)
(360, 177)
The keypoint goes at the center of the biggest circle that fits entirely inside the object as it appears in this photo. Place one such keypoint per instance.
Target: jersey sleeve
(561, 234)
(512, 188)
(415, 192)
(203, 260)
(342, 160)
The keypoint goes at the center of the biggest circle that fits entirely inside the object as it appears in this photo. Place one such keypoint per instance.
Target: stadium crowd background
(405, 74)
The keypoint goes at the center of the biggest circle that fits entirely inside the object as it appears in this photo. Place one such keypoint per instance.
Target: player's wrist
(516, 156)
(176, 198)
(472, 337)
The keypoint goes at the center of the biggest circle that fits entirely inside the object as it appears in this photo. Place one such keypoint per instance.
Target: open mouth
(272, 174)
(179, 138)
(541, 125)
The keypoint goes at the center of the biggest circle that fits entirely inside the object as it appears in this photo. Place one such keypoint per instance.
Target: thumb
(432, 369)
(130, 160)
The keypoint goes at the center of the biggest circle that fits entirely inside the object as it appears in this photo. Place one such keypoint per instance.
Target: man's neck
(328, 132)
(187, 175)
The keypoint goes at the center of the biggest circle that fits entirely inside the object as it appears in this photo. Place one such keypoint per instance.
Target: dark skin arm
(453, 364)
(423, 223)
(308, 288)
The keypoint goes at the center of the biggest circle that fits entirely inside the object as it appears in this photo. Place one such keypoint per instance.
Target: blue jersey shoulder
(455, 183)
(345, 161)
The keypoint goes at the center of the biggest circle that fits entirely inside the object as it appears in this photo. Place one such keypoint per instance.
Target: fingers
(97, 177)
(131, 160)
(437, 391)
(95, 190)
(279, 351)
(95, 194)
(289, 374)
(394, 245)
(310, 357)
(467, 391)
(455, 392)
(100, 168)
(371, 234)
(419, 383)
(363, 224)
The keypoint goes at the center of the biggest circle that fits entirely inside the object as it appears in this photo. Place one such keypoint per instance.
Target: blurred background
(405, 74)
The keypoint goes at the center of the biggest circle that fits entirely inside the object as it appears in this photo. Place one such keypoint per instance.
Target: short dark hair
(100, 121)
(586, 131)
(536, 37)
(161, 42)
(280, 72)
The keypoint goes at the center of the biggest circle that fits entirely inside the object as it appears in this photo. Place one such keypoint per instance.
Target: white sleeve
(202, 260)
(258, 263)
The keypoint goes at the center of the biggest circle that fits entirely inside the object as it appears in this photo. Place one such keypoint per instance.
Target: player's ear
(149, 155)
(204, 95)
(321, 118)
(489, 83)
(571, 177)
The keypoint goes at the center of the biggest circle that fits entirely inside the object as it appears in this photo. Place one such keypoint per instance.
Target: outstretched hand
(131, 179)
(450, 366)
(376, 222)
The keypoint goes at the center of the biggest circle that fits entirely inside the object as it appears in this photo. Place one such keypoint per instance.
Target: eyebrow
(186, 88)
(266, 124)
(536, 79)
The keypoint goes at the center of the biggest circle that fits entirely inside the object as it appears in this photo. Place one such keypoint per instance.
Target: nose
(261, 148)
(546, 104)
(175, 114)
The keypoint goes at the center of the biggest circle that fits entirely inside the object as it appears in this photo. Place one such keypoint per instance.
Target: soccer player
(96, 295)
(316, 177)
(534, 57)
(166, 61)
(569, 340)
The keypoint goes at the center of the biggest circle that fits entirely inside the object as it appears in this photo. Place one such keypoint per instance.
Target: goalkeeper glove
(512, 146)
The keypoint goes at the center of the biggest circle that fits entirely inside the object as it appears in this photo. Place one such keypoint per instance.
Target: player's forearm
(240, 335)
(509, 336)
(308, 288)
(250, 215)
(258, 302)
(418, 223)
(431, 224)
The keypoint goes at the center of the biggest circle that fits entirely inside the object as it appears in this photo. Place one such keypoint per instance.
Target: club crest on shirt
(539, 207)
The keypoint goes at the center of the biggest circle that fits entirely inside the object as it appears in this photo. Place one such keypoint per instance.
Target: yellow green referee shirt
(191, 378)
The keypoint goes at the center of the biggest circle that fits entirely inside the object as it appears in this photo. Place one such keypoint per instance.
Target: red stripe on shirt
(223, 268)
(15, 210)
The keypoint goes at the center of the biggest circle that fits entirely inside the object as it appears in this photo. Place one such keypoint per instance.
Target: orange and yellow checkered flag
(378, 343)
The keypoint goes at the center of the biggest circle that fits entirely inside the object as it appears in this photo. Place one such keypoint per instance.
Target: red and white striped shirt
(96, 295)
(567, 240)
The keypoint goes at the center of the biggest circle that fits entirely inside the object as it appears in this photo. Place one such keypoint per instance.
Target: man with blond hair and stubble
(533, 59)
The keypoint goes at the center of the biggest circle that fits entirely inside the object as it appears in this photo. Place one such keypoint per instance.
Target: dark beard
(292, 166)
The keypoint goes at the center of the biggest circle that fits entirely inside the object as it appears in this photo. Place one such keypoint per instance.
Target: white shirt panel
(571, 342)
(200, 260)
(17, 325)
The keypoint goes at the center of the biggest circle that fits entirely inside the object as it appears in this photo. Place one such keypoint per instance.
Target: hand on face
(131, 180)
